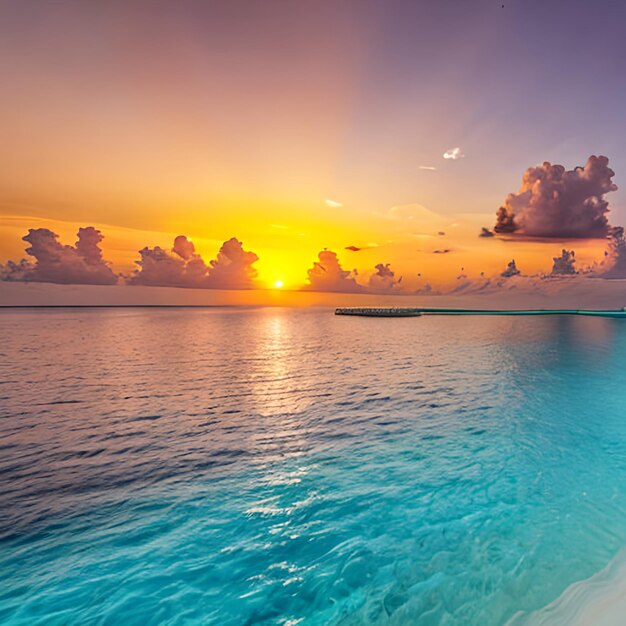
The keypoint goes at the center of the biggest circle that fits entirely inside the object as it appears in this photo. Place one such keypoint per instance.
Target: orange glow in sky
(292, 128)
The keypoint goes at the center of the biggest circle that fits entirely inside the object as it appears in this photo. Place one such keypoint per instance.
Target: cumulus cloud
(328, 275)
(511, 270)
(453, 154)
(184, 248)
(81, 264)
(384, 279)
(565, 264)
(555, 202)
(180, 267)
(183, 267)
(233, 267)
(15, 272)
(485, 232)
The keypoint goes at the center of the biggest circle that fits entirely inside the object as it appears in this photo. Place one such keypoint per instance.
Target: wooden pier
(417, 311)
(379, 311)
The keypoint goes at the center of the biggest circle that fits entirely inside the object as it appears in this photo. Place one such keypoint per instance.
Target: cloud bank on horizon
(233, 267)
(552, 203)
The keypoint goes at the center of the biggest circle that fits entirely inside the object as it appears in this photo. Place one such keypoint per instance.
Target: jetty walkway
(417, 311)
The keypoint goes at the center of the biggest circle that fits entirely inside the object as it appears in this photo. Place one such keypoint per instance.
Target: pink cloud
(328, 275)
(555, 202)
(81, 264)
(384, 279)
(183, 267)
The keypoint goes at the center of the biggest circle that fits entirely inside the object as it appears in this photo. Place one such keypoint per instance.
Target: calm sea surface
(278, 466)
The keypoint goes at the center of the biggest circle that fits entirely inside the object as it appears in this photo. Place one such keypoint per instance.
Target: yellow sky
(406, 237)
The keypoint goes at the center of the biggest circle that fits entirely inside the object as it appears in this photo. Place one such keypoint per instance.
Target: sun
(278, 284)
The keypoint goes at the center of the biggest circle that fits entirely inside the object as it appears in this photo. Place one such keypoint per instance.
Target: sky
(326, 146)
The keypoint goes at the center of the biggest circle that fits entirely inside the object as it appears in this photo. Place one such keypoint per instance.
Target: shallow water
(277, 466)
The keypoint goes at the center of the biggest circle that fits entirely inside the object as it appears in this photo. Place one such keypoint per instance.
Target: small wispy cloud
(359, 248)
(453, 153)
(279, 226)
(333, 203)
(430, 168)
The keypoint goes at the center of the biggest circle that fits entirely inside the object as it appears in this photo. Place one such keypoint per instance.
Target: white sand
(597, 601)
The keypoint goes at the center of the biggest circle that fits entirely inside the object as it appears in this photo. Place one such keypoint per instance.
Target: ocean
(271, 466)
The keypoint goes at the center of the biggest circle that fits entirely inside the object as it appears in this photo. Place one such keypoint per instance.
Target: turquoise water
(276, 466)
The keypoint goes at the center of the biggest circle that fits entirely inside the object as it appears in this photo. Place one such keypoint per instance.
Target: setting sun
(278, 284)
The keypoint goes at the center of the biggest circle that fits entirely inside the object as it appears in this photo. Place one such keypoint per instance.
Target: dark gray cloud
(485, 232)
(511, 270)
(565, 264)
(81, 264)
(559, 203)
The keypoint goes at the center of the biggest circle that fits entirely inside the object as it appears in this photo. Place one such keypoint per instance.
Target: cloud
(233, 268)
(333, 203)
(384, 279)
(559, 203)
(161, 268)
(353, 248)
(16, 272)
(444, 251)
(453, 153)
(441, 233)
(184, 248)
(614, 265)
(565, 264)
(183, 267)
(485, 232)
(429, 168)
(426, 290)
(511, 270)
(81, 264)
(328, 275)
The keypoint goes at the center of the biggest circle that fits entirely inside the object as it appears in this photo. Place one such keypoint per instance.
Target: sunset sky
(296, 127)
